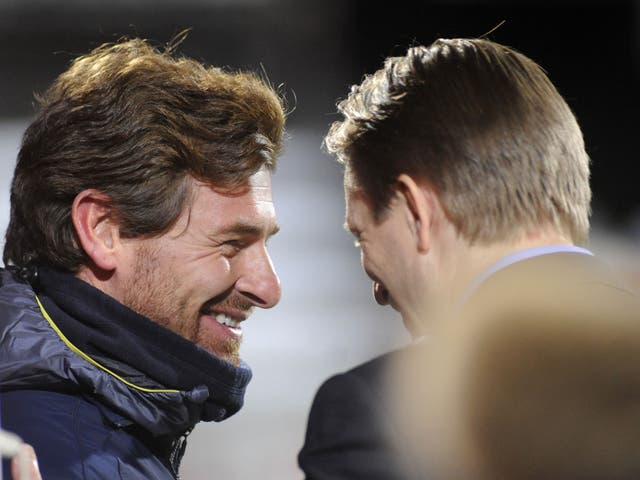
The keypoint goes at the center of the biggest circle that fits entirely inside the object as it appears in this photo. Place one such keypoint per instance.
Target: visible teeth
(228, 321)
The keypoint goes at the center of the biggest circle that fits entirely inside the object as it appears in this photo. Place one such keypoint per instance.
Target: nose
(259, 281)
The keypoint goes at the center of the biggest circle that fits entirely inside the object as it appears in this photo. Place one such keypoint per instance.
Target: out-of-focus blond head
(544, 384)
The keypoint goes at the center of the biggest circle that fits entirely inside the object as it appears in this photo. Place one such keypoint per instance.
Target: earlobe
(419, 211)
(97, 230)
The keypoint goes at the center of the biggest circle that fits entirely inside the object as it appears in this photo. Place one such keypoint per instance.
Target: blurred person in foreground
(544, 384)
(140, 209)
(463, 166)
(24, 464)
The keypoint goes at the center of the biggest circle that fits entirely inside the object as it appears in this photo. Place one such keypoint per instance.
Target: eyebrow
(249, 229)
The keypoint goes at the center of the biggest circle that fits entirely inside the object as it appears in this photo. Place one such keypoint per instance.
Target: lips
(229, 321)
(228, 313)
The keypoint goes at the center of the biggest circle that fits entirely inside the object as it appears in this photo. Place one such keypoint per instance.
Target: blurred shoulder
(367, 377)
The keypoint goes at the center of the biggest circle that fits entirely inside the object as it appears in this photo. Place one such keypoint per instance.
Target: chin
(232, 357)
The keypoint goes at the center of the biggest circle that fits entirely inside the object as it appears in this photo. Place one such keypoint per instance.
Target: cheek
(213, 276)
(207, 265)
(372, 253)
(366, 260)
(371, 265)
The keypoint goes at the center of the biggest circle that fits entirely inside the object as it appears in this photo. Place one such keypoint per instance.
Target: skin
(24, 466)
(418, 262)
(388, 247)
(213, 261)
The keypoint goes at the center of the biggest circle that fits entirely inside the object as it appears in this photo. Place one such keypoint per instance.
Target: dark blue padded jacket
(100, 391)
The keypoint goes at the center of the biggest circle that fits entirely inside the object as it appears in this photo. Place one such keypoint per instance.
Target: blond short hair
(484, 125)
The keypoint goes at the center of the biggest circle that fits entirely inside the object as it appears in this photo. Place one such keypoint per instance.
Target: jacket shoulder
(74, 440)
(346, 434)
(361, 384)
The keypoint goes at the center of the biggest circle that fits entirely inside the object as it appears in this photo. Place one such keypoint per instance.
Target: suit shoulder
(368, 375)
(346, 433)
(373, 366)
(362, 384)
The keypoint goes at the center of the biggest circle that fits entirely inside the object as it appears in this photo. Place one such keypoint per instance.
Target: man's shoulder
(561, 269)
(49, 416)
(61, 427)
(355, 394)
(371, 367)
(560, 278)
(346, 433)
(367, 375)
(12, 289)
(75, 437)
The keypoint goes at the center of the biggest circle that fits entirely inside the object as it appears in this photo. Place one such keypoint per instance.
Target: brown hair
(483, 124)
(134, 123)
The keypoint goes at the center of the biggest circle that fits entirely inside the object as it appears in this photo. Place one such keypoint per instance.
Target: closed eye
(234, 246)
(235, 243)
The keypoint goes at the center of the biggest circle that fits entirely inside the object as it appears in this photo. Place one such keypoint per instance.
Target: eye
(233, 246)
(237, 243)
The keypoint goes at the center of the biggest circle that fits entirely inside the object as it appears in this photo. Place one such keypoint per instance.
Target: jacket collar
(134, 366)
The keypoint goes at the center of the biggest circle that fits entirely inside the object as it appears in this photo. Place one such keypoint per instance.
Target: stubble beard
(152, 293)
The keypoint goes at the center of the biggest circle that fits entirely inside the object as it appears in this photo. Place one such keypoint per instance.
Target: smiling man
(140, 209)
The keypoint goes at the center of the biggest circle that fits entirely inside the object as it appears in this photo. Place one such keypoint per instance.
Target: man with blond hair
(140, 209)
(463, 166)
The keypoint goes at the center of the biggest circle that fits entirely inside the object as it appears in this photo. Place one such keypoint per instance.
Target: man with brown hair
(140, 209)
(462, 164)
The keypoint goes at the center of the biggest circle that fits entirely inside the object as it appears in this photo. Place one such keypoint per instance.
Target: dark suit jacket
(346, 433)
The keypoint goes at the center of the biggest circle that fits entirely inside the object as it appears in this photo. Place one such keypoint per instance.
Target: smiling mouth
(228, 312)
(230, 321)
(227, 321)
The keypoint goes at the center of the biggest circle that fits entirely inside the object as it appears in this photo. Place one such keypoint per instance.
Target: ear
(96, 227)
(420, 209)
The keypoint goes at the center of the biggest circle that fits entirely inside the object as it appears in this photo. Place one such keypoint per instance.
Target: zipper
(177, 452)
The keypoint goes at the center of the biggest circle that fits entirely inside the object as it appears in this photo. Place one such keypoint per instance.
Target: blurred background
(327, 321)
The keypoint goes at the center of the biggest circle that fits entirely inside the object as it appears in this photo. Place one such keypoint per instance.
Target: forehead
(353, 191)
(252, 203)
(259, 186)
(349, 179)
(357, 208)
